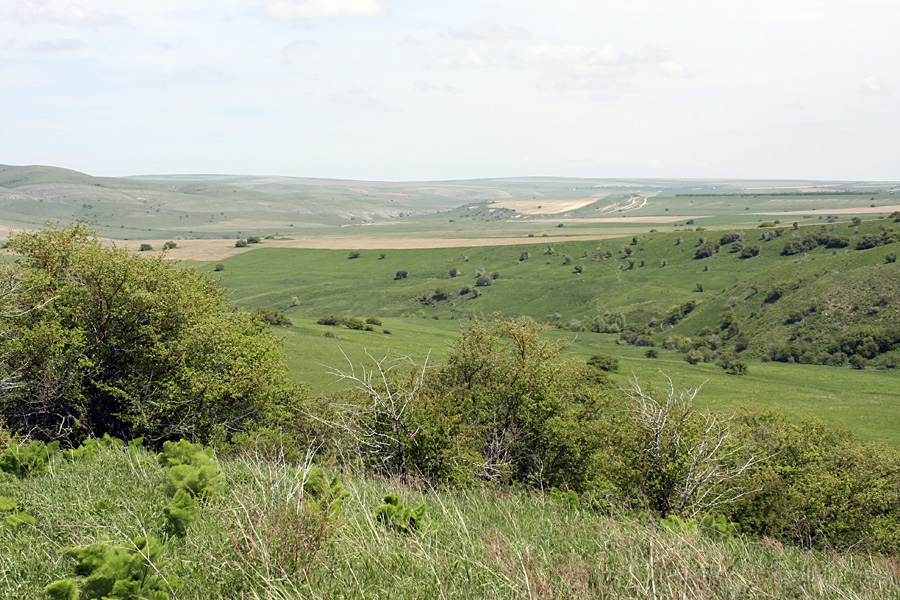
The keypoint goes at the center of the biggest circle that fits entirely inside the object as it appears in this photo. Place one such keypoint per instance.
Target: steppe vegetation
(692, 410)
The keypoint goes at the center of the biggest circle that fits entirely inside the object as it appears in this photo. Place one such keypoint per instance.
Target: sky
(412, 90)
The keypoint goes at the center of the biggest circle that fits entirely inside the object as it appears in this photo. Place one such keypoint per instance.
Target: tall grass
(482, 543)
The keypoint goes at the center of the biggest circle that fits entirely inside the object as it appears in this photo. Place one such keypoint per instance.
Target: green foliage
(193, 476)
(567, 499)
(17, 518)
(128, 571)
(604, 362)
(146, 247)
(322, 493)
(28, 459)
(820, 487)
(353, 323)
(716, 526)
(401, 274)
(354, 254)
(398, 517)
(330, 320)
(170, 245)
(273, 317)
(706, 249)
(240, 244)
(114, 343)
(373, 321)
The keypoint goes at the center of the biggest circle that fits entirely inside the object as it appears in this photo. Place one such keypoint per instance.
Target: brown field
(868, 210)
(547, 206)
(208, 250)
(635, 220)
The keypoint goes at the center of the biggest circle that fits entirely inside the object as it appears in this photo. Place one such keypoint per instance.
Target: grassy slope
(482, 544)
(323, 282)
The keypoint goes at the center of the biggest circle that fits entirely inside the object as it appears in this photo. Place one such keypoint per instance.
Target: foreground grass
(481, 543)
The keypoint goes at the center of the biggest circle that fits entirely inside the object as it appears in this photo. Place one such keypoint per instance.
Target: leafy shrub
(252, 239)
(567, 499)
(219, 267)
(193, 475)
(401, 274)
(604, 362)
(131, 346)
(25, 460)
(240, 244)
(373, 321)
(169, 245)
(677, 313)
(730, 237)
(353, 323)
(484, 281)
(273, 317)
(125, 571)
(750, 251)
(401, 518)
(354, 254)
(716, 526)
(820, 486)
(146, 247)
(330, 320)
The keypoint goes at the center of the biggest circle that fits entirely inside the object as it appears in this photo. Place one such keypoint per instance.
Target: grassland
(479, 543)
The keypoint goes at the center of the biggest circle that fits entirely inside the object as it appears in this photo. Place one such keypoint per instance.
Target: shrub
(730, 237)
(116, 572)
(146, 247)
(273, 317)
(454, 272)
(219, 267)
(252, 239)
(354, 254)
(373, 321)
(353, 323)
(169, 245)
(401, 274)
(604, 362)
(240, 244)
(330, 320)
(525, 255)
(750, 251)
(651, 353)
(890, 258)
(27, 459)
(401, 518)
(484, 280)
(132, 347)
(706, 249)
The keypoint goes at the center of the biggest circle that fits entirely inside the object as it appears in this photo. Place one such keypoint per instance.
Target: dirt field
(635, 220)
(208, 250)
(863, 210)
(547, 206)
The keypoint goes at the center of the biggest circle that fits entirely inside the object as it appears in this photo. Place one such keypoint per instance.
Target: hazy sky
(448, 89)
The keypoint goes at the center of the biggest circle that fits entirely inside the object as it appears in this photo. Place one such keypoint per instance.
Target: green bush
(146, 247)
(604, 362)
(130, 346)
(353, 323)
(27, 459)
(127, 571)
(820, 486)
(404, 519)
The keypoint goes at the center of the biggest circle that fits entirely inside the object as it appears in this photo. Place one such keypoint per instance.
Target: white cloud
(56, 46)
(363, 99)
(296, 52)
(488, 30)
(872, 86)
(64, 13)
(471, 59)
(326, 9)
(670, 67)
(197, 73)
(424, 86)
